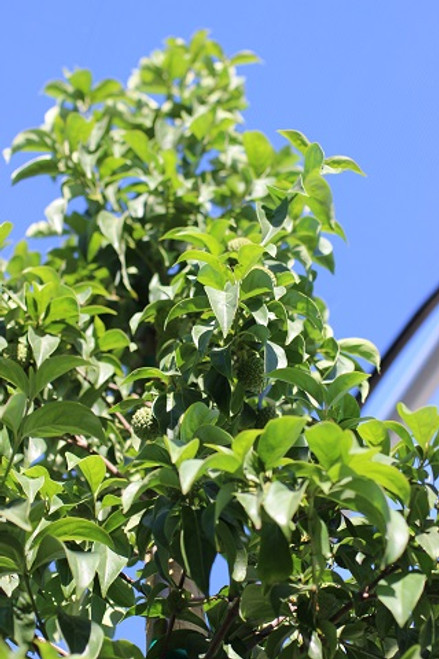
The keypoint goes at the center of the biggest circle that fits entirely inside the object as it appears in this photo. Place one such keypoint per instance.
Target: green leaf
(278, 437)
(329, 443)
(198, 554)
(5, 230)
(429, 541)
(301, 379)
(139, 143)
(179, 452)
(413, 653)
(244, 57)
(18, 514)
(14, 411)
(191, 305)
(74, 528)
(297, 139)
(189, 472)
(12, 372)
(58, 418)
(397, 536)
(400, 594)
(424, 423)
(109, 567)
(361, 348)
(40, 165)
(81, 80)
(342, 385)
(63, 309)
(304, 306)
(145, 373)
(82, 635)
(255, 606)
(224, 305)
(54, 367)
(373, 432)
(42, 346)
(274, 562)
(94, 470)
(319, 198)
(112, 228)
(196, 416)
(314, 158)
(281, 503)
(386, 475)
(337, 164)
(83, 565)
(259, 151)
(113, 339)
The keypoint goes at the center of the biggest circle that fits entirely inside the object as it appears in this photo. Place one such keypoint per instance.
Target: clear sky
(359, 77)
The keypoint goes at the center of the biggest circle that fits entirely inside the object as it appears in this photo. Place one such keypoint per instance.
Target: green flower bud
(234, 244)
(264, 415)
(18, 351)
(250, 372)
(144, 424)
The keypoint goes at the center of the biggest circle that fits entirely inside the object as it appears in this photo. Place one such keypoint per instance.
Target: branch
(221, 632)
(172, 620)
(81, 442)
(363, 594)
(60, 651)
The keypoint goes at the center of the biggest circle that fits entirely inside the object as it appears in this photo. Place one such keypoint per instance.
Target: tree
(172, 390)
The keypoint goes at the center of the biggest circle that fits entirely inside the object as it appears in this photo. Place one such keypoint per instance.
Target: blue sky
(361, 78)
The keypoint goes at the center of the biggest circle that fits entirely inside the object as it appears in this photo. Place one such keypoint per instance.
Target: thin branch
(60, 651)
(363, 594)
(81, 442)
(221, 632)
(172, 619)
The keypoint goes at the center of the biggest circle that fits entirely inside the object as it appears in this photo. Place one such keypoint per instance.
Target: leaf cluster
(171, 391)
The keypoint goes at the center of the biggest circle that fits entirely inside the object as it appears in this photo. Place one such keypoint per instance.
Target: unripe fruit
(234, 244)
(250, 372)
(264, 415)
(144, 424)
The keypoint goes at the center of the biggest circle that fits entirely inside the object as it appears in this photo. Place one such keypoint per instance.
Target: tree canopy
(172, 391)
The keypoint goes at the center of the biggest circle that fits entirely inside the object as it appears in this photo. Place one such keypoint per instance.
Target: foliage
(181, 295)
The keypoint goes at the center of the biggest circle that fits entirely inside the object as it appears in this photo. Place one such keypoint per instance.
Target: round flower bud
(144, 424)
(234, 244)
(264, 415)
(250, 372)
(18, 351)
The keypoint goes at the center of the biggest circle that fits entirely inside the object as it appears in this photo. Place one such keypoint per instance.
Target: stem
(60, 651)
(363, 594)
(221, 632)
(40, 622)
(81, 442)
(172, 620)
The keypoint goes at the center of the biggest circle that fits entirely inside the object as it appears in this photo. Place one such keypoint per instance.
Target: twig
(363, 594)
(118, 415)
(221, 632)
(81, 442)
(172, 620)
(60, 651)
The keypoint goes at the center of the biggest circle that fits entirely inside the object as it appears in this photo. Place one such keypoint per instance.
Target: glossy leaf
(400, 594)
(278, 437)
(58, 418)
(74, 528)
